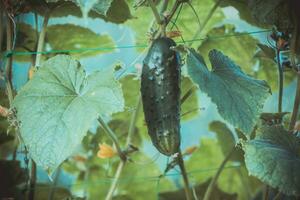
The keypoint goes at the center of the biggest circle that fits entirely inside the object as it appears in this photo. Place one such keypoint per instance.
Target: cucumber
(160, 89)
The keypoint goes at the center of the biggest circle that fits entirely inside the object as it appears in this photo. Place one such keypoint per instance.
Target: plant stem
(155, 12)
(133, 121)
(114, 184)
(210, 14)
(1, 28)
(32, 181)
(173, 11)
(164, 7)
(213, 182)
(8, 66)
(277, 196)
(53, 187)
(296, 104)
(113, 137)
(297, 96)
(280, 79)
(41, 40)
(187, 189)
(187, 94)
(266, 192)
(122, 163)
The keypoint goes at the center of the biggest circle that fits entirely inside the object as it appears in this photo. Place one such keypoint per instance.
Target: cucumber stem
(113, 137)
(155, 12)
(280, 80)
(41, 40)
(122, 163)
(213, 182)
(187, 189)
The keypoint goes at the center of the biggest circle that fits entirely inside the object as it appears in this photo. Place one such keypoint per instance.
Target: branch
(41, 40)
(122, 163)
(213, 182)
(155, 12)
(113, 137)
(188, 192)
(1, 29)
(210, 14)
(280, 79)
(173, 11)
(164, 7)
(297, 96)
(32, 181)
(8, 66)
(296, 105)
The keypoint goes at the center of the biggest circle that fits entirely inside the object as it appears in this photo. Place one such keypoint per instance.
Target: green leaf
(226, 140)
(58, 105)
(77, 39)
(239, 97)
(274, 157)
(250, 61)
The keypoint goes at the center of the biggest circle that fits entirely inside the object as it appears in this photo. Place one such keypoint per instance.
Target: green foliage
(274, 157)
(58, 105)
(226, 140)
(76, 39)
(233, 179)
(240, 49)
(239, 97)
(200, 189)
(188, 23)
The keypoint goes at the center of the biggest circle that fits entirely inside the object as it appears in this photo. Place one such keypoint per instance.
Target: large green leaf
(58, 105)
(239, 97)
(274, 157)
(76, 39)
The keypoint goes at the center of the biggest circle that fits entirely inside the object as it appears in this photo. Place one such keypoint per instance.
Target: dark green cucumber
(160, 88)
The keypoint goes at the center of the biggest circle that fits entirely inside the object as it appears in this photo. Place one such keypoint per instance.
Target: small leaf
(274, 157)
(59, 104)
(239, 97)
(106, 151)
